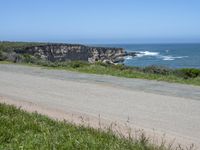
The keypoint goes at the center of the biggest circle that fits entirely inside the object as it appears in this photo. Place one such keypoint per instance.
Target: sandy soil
(156, 107)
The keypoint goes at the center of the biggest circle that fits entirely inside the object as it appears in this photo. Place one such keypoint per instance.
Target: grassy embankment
(185, 76)
(22, 130)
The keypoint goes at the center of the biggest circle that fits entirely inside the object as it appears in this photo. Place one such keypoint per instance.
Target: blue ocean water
(168, 55)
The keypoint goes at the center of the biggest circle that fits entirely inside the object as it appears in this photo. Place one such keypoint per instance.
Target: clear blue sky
(100, 21)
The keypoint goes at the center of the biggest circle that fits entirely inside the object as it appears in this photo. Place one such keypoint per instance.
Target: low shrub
(102, 64)
(77, 64)
(157, 70)
(120, 67)
(28, 58)
(46, 63)
(187, 73)
(1, 56)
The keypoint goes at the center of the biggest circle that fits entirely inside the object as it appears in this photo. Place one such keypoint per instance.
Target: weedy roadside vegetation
(22, 130)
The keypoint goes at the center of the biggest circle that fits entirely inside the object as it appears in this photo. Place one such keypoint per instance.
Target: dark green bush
(157, 70)
(77, 64)
(28, 58)
(2, 56)
(45, 63)
(120, 67)
(187, 73)
(102, 64)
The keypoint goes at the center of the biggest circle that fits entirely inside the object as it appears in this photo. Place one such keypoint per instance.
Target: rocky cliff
(65, 52)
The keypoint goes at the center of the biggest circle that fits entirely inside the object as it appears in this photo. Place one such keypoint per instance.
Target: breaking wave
(147, 53)
(155, 54)
(172, 57)
(128, 57)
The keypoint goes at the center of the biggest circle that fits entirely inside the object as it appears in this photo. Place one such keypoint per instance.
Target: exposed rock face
(65, 52)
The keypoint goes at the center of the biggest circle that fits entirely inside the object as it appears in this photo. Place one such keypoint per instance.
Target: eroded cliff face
(70, 52)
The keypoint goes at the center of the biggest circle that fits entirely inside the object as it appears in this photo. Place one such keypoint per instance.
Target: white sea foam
(172, 57)
(167, 57)
(128, 57)
(157, 55)
(147, 53)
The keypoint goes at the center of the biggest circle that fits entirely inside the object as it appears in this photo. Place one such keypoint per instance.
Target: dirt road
(173, 109)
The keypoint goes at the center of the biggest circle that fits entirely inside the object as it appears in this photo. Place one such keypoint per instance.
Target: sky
(100, 21)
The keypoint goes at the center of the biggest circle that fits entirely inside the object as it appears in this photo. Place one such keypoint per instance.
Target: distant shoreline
(168, 55)
(30, 56)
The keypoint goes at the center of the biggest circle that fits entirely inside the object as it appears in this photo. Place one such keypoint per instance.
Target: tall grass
(22, 130)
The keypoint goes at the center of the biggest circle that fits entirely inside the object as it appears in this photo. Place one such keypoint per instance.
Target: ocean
(167, 55)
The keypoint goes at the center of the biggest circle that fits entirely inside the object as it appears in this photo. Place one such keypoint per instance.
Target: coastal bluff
(71, 52)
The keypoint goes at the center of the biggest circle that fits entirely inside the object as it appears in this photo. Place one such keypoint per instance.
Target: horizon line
(98, 43)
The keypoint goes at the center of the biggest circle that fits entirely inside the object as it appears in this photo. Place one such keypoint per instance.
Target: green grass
(22, 130)
(133, 73)
(150, 73)
(183, 76)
